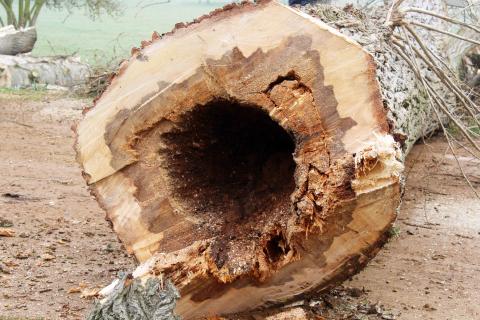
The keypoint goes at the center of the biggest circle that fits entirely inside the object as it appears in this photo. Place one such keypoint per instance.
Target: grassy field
(107, 38)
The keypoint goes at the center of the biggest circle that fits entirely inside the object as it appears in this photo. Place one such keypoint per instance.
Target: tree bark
(26, 71)
(250, 157)
(13, 42)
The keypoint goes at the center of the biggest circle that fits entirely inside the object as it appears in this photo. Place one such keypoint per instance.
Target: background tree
(24, 13)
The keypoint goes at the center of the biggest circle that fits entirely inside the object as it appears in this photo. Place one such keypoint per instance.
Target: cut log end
(248, 172)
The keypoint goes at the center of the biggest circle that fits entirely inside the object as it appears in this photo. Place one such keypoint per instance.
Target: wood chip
(10, 264)
(80, 288)
(7, 232)
(89, 293)
(47, 256)
(74, 290)
(292, 314)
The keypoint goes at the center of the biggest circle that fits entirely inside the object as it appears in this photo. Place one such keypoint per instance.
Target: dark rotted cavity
(276, 248)
(231, 162)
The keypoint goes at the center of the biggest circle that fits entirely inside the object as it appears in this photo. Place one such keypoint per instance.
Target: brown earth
(430, 269)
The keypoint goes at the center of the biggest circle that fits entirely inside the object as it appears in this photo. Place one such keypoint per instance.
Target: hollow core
(231, 163)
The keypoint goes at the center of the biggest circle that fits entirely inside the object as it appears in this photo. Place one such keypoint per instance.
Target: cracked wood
(247, 162)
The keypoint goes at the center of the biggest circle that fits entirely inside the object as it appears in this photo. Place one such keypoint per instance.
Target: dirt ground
(63, 247)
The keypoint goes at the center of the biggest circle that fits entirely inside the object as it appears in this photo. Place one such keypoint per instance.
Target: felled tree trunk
(14, 41)
(26, 71)
(254, 155)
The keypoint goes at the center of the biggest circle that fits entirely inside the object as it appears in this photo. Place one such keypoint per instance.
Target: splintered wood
(246, 157)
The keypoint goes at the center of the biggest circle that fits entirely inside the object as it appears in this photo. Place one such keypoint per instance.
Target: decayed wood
(26, 71)
(189, 151)
(14, 41)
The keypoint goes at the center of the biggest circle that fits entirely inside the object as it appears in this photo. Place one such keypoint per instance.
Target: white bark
(409, 112)
(13, 42)
(25, 71)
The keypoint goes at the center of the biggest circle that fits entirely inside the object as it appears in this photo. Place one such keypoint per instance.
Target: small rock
(89, 234)
(315, 303)
(47, 257)
(355, 292)
(22, 254)
(4, 269)
(10, 264)
(108, 248)
(374, 309)
(438, 257)
(428, 307)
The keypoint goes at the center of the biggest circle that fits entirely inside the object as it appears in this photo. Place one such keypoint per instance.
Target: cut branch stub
(246, 156)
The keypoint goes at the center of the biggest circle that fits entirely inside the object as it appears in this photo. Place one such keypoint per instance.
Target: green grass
(456, 133)
(475, 129)
(31, 94)
(109, 39)
(394, 232)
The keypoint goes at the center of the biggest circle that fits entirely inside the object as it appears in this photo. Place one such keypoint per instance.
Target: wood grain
(246, 157)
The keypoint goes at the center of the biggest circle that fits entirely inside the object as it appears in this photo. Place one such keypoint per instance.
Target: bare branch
(451, 20)
(451, 34)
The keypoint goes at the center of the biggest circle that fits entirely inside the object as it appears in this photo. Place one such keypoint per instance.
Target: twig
(453, 151)
(433, 100)
(392, 12)
(19, 123)
(434, 14)
(463, 236)
(457, 91)
(368, 4)
(464, 147)
(451, 34)
(417, 225)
